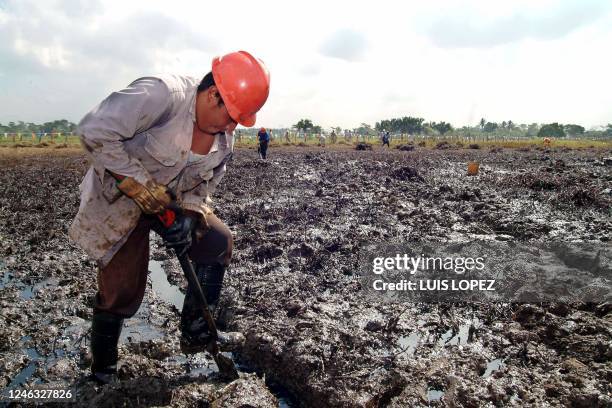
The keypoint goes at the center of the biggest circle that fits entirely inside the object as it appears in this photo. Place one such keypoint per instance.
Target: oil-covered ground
(313, 337)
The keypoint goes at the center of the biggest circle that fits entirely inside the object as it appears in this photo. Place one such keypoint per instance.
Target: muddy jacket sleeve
(121, 116)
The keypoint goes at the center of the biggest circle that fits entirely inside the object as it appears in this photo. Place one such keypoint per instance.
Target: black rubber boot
(194, 329)
(105, 331)
(211, 281)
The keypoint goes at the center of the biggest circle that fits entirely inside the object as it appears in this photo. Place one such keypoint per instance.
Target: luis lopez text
(436, 285)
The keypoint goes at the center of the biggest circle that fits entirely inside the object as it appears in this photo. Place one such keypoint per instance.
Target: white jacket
(143, 131)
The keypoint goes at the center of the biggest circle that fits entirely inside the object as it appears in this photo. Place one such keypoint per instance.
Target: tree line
(405, 125)
(418, 126)
(61, 126)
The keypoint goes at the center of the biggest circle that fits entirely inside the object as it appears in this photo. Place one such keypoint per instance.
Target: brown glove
(152, 198)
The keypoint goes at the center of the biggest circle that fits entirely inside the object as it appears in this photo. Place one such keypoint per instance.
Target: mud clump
(406, 147)
(443, 145)
(407, 173)
(363, 146)
(267, 252)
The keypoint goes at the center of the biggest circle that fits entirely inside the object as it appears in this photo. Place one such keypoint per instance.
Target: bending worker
(159, 139)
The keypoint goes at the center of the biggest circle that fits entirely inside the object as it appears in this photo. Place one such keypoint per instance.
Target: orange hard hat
(244, 84)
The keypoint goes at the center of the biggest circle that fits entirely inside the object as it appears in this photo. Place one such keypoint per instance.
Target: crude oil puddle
(26, 292)
(199, 364)
(411, 342)
(434, 395)
(25, 374)
(29, 291)
(6, 276)
(459, 339)
(493, 366)
(167, 292)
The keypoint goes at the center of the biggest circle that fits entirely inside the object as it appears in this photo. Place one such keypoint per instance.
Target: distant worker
(385, 139)
(322, 139)
(287, 139)
(334, 137)
(264, 139)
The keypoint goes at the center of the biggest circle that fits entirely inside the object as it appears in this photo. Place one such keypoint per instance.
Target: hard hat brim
(248, 121)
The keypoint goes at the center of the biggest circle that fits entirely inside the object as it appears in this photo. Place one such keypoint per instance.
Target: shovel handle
(192, 280)
(167, 218)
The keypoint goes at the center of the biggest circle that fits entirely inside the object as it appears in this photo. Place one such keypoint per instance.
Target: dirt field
(299, 219)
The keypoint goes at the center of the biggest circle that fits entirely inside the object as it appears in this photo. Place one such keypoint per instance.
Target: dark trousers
(263, 148)
(122, 283)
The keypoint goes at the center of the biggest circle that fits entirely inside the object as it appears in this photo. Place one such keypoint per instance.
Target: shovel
(227, 369)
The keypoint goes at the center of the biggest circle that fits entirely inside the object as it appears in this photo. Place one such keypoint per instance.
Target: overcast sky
(339, 63)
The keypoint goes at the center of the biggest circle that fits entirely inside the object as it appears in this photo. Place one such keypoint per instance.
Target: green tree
(364, 129)
(573, 130)
(412, 125)
(533, 129)
(407, 124)
(490, 127)
(551, 130)
(304, 124)
(483, 122)
(608, 130)
(442, 127)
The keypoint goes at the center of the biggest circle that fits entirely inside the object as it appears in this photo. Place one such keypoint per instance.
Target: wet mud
(313, 337)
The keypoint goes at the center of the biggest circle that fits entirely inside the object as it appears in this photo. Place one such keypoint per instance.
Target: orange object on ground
(473, 168)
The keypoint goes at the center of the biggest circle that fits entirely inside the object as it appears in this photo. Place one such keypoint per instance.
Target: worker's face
(211, 115)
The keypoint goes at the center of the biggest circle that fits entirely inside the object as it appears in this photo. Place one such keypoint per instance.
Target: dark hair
(206, 83)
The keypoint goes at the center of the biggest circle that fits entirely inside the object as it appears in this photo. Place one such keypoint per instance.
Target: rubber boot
(105, 331)
(194, 329)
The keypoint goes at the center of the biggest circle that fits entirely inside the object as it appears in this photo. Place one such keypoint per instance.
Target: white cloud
(345, 44)
(471, 28)
(337, 63)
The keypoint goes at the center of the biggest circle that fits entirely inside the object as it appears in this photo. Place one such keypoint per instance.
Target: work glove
(180, 234)
(152, 198)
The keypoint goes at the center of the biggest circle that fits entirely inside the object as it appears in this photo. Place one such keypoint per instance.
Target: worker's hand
(180, 234)
(152, 198)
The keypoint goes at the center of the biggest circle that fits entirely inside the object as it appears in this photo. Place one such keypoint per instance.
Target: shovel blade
(227, 369)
